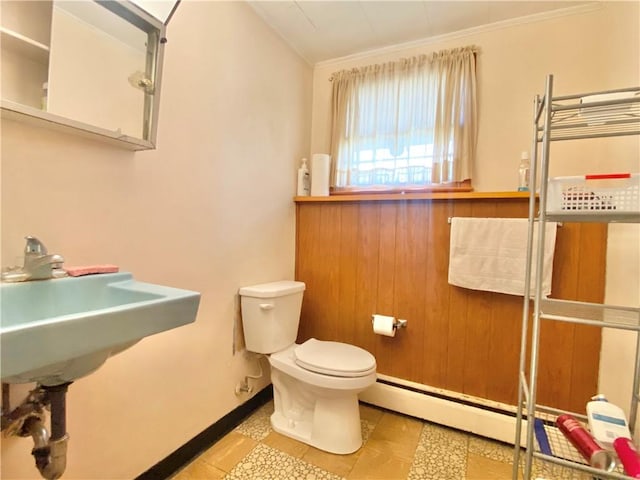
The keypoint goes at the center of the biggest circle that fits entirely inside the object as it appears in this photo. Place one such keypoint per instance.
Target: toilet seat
(334, 358)
(285, 362)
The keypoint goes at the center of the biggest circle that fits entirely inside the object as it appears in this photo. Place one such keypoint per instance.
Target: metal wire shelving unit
(610, 113)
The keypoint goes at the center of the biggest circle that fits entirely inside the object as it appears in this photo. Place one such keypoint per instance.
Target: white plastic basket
(608, 193)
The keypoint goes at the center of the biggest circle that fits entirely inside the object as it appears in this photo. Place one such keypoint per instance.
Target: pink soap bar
(90, 270)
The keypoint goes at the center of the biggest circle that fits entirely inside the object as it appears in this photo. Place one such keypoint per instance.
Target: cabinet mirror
(90, 66)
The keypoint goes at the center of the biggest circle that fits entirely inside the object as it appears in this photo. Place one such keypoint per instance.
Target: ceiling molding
(536, 17)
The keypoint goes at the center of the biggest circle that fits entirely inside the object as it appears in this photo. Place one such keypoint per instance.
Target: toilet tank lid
(272, 289)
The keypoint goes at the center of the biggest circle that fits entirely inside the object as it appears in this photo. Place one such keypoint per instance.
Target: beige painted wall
(209, 210)
(592, 48)
(588, 49)
(622, 288)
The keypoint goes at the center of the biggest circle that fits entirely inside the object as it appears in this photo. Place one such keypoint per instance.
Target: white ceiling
(322, 30)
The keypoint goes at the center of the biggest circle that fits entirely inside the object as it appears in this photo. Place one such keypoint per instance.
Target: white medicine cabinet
(88, 67)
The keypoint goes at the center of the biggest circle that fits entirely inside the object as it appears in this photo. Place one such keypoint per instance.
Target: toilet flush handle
(266, 306)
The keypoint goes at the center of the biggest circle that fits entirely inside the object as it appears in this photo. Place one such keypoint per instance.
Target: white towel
(490, 254)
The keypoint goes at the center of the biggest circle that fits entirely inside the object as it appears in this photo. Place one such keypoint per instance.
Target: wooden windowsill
(414, 196)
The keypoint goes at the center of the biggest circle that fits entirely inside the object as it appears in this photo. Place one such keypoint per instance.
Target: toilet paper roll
(383, 325)
(320, 171)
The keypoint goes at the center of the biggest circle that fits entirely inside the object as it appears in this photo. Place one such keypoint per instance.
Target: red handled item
(593, 453)
(628, 455)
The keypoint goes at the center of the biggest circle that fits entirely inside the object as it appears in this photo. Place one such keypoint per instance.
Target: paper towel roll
(320, 171)
(383, 325)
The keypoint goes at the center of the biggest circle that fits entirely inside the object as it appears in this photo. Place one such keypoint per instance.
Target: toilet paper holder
(397, 322)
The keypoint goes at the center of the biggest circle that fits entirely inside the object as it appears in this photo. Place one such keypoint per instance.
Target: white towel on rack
(490, 254)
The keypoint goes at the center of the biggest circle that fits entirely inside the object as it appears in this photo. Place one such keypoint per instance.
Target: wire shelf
(593, 116)
(562, 452)
(626, 318)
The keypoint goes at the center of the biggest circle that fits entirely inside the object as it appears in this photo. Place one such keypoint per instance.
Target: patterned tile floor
(395, 447)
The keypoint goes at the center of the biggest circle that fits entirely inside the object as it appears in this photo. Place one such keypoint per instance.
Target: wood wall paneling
(391, 257)
(345, 325)
(506, 328)
(456, 336)
(367, 252)
(587, 340)
(410, 273)
(434, 358)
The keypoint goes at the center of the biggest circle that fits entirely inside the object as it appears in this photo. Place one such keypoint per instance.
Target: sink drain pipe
(51, 459)
(49, 449)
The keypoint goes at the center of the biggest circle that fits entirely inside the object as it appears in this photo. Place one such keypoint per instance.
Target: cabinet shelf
(24, 46)
(33, 116)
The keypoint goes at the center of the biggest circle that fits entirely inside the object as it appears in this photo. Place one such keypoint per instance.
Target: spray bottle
(304, 180)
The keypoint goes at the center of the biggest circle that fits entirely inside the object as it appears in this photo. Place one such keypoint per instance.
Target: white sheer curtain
(407, 123)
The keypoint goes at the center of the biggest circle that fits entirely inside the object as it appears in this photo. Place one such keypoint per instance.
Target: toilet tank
(271, 315)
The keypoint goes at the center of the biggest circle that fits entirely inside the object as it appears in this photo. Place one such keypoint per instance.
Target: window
(410, 123)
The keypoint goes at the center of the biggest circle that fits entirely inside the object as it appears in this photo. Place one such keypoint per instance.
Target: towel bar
(559, 224)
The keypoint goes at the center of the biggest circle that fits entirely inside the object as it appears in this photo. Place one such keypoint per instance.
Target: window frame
(457, 186)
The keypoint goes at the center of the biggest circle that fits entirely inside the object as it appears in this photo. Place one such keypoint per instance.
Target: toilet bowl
(316, 383)
(320, 409)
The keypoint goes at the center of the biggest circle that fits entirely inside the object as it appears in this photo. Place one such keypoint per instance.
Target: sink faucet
(38, 264)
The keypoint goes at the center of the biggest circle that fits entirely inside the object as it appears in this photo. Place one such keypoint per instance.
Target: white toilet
(315, 384)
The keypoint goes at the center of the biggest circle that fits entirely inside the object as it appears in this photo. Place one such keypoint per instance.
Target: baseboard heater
(464, 412)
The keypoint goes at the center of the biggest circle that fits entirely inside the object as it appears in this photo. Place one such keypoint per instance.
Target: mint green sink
(55, 331)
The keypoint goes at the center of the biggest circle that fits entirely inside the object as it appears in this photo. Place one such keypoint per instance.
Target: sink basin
(55, 331)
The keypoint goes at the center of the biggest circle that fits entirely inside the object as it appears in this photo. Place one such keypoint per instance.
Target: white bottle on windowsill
(304, 181)
(523, 172)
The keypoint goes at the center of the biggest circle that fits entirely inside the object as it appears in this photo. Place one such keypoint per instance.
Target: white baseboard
(449, 412)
